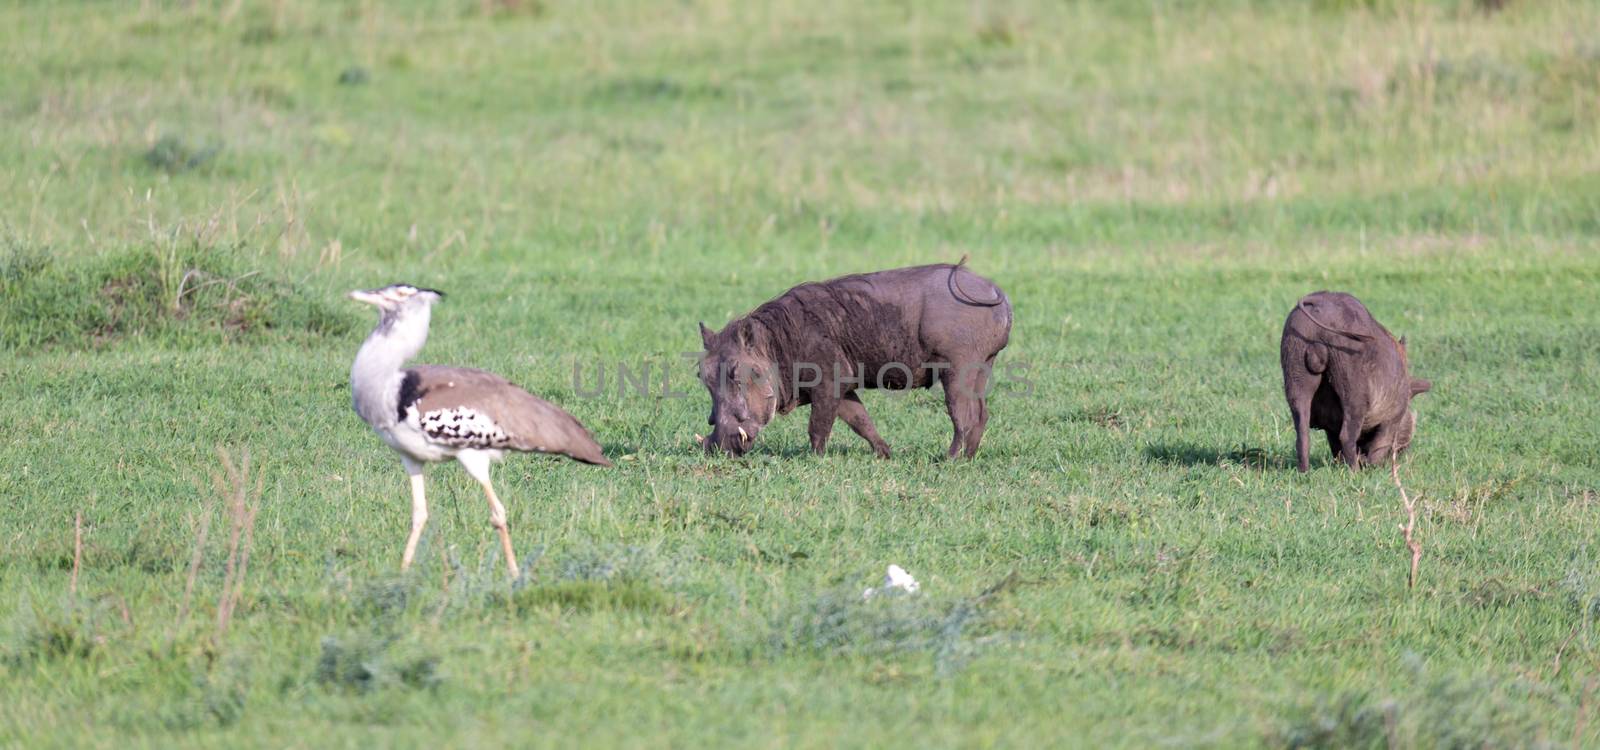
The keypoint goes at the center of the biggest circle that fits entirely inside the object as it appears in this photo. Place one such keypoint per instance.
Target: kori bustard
(429, 413)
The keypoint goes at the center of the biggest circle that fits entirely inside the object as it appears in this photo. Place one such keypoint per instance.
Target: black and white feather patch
(410, 391)
(462, 427)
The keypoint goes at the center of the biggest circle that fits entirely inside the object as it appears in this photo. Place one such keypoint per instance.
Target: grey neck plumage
(375, 377)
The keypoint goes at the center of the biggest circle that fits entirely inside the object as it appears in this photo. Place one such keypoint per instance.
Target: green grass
(1130, 561)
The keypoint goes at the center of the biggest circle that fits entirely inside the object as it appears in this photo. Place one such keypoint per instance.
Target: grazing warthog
(819, 342)
(1346, 375)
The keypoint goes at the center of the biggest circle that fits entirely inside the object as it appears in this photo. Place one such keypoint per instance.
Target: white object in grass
(895, 581)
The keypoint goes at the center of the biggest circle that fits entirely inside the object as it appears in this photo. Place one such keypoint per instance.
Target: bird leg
(419, 514)
(497, 518)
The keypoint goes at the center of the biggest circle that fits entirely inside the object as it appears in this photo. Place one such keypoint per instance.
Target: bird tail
(579, 445)
(589, 454)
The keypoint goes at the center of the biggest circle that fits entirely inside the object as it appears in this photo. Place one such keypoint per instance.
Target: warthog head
(744, 390)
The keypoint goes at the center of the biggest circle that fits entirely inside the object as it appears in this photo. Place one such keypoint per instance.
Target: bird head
(396, 297)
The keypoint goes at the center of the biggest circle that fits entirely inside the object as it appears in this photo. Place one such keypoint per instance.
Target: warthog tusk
(698, 438)
(744, 435)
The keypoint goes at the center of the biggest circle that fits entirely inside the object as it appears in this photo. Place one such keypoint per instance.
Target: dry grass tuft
(1410, 526)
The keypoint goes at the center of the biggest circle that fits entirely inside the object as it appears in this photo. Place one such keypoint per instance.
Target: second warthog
(1345, 374)
(818, 343)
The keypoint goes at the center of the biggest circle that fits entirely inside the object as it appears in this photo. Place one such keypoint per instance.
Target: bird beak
(370, 298)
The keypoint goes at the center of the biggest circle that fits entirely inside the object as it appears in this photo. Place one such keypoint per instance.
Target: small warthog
(1346, 375)
(818, 343)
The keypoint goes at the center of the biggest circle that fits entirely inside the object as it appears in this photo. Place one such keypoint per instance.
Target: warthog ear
(707, 336)
(1419, 386)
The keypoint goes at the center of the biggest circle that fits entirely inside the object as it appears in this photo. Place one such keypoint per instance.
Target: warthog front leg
(824, 408)
(854, 413)
(1350, 437)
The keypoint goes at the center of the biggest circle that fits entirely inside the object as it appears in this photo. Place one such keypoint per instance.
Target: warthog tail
(961, 294)
(1305, 308)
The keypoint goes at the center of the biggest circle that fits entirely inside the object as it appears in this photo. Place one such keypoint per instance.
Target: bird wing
(465, 408)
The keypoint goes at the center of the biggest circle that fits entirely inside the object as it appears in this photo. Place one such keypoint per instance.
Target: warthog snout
(734, 440)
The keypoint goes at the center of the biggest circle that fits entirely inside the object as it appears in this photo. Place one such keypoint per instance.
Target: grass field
(1131, 560)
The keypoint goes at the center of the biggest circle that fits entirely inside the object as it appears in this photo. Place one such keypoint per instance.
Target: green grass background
(186, 189)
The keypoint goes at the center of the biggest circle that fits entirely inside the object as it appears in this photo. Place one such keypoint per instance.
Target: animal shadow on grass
(853, 447)
(1192, 454)
(788, 451)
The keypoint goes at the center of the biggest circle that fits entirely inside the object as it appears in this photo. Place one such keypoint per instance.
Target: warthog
(1346, 375)
(819, 342)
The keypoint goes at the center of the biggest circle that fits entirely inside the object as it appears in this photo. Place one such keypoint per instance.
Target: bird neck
(374, 376)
